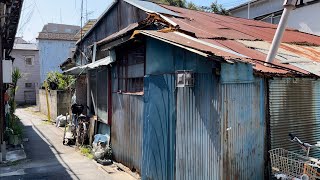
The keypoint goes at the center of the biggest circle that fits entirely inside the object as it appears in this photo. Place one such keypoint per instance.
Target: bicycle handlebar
(294, 138)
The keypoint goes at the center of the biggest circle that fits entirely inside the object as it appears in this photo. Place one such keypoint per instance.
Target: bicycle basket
(287, 162)
(312, 170)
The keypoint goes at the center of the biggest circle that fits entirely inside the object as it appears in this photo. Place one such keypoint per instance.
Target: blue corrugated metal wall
(243, 130)
(159, 128)
(126, 129)
(198, 137)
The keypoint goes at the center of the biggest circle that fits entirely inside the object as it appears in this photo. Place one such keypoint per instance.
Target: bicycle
(289, 165)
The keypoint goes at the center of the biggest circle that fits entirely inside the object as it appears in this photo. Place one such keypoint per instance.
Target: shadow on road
(44, 161)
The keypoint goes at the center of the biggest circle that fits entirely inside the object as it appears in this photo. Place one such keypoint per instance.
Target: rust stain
(305, 51)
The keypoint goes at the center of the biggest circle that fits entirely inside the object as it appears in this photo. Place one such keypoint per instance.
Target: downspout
(289, 5)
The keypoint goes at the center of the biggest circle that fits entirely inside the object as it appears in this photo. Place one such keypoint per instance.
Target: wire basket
(291, 164)
(312, 170)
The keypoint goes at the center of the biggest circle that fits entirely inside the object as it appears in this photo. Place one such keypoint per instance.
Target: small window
(131, 64)
(28, 85)
(29, 60)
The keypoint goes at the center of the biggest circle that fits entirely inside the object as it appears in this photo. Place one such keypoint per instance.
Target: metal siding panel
(243, 128)
(294, 108)
(159, 127)
(198, 134)
(126, 129)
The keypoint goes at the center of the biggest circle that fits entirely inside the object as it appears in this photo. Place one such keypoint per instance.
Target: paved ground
(48, 158)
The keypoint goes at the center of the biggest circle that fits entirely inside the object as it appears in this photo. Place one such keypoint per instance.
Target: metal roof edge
(210, 45)
(98, 20)
(150, 11)
(243, 5)
(175, 44)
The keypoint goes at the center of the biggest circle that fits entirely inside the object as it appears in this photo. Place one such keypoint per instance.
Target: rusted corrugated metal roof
(301, 50)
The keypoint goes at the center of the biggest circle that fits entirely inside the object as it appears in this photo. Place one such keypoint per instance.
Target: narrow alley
(48, 158)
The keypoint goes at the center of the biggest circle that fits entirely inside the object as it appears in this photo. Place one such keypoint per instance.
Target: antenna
(87, 10)
(81, 31)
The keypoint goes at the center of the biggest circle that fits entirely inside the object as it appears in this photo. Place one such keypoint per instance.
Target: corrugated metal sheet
(303, 57)
(194, 43)
(159, 128)
(126, 130)
(198, 137)
(243, 130)
(294, 108)
(151, 7)
(210, 25)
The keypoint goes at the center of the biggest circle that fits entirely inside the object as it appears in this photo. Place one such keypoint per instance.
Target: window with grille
(29, 60)
(28, 85)
(131, 69)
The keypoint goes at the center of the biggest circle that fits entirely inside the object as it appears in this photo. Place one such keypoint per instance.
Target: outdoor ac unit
(7, 71)
(185, 78)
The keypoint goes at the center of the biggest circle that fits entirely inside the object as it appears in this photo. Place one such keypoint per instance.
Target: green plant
(63, 82)
(15, 126)
(86, 150)
(16, 75)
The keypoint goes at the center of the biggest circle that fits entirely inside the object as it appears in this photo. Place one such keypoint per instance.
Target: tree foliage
(178, 3)
(63, 82)
(192, 6)
(218, 8)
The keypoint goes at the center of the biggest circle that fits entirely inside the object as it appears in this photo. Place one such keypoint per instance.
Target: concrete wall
(257, 9)
(30, 74)
(302, 18)
(59, 102)
(52, 54)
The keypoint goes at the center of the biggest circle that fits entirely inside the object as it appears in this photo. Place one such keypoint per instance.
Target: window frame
(32, 60)
(123, 65)
(28, 87)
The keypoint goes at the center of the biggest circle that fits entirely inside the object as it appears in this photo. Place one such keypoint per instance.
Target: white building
(27, 61)
(304, 17)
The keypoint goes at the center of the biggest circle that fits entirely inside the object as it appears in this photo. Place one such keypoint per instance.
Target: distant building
(301, 18)
(26, 59)
(55, 43)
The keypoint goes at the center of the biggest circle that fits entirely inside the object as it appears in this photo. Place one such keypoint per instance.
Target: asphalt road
(48, 158)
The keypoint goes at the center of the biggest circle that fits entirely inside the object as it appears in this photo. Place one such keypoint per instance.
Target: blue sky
(36, 13)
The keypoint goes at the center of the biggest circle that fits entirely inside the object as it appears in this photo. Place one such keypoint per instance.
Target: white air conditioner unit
(7, 71)
(185, 78)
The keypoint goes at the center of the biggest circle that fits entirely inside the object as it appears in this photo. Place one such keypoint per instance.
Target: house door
(243, 130)
(158, 127)
(30, 97)
(198, 142)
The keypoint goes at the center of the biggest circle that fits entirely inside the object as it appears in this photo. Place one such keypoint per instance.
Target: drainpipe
(289, 5)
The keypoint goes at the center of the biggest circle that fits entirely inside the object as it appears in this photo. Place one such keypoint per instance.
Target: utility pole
(81, 31)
